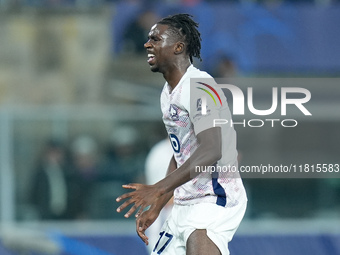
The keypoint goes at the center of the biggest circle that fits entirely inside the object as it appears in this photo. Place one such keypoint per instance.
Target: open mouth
(151, 58)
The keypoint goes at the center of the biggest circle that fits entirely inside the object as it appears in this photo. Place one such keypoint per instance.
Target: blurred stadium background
(79, 113)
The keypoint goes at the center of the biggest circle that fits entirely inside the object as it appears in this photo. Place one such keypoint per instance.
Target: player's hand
(142, 197)
(144, 221)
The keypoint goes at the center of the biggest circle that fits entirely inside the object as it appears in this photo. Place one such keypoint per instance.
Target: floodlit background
(79, 113)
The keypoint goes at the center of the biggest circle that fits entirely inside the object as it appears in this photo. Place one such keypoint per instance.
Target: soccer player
(208, 205)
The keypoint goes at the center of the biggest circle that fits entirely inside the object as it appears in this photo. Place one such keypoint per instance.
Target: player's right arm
(146, 218)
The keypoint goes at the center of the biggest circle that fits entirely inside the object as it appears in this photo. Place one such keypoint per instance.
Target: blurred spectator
(123, 163)
(137, 32)
(85, 174)
(225, 67)
(50, 192)
(124, 160)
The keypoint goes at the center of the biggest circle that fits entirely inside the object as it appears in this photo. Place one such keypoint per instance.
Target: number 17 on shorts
(162, 243)
(169, 242)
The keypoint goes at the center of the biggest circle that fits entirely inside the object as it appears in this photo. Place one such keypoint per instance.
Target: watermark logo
(201, 104)
(238, 100)
(209, 93)
(280, 98)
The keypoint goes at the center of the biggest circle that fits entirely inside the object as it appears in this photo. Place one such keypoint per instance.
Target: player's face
(160, 48)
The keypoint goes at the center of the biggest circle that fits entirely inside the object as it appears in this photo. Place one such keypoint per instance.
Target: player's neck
(174, 75)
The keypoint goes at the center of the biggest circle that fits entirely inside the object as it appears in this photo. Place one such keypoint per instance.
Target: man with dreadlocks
(208, 207)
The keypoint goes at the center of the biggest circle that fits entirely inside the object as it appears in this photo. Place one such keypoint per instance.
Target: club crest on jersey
(173, 110)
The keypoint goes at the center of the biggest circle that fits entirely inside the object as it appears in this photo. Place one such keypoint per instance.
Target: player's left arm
(208, 152)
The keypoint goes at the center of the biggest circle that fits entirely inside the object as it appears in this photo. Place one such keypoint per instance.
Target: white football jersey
(189, 109)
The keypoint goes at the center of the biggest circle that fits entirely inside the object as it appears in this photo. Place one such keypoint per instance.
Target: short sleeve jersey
(184, 119)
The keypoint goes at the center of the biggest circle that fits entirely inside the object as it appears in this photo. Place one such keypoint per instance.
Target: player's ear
(179, 48)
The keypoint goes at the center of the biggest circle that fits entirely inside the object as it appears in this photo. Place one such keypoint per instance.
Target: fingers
(134, 198)
(126, 195)
(140, 228)
(130, 194)
(141, 209)
(132, 209)
(125, 204)
(142, 235)
(130, 186)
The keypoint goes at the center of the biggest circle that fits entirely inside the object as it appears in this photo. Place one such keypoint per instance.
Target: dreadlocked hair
(186, 29)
